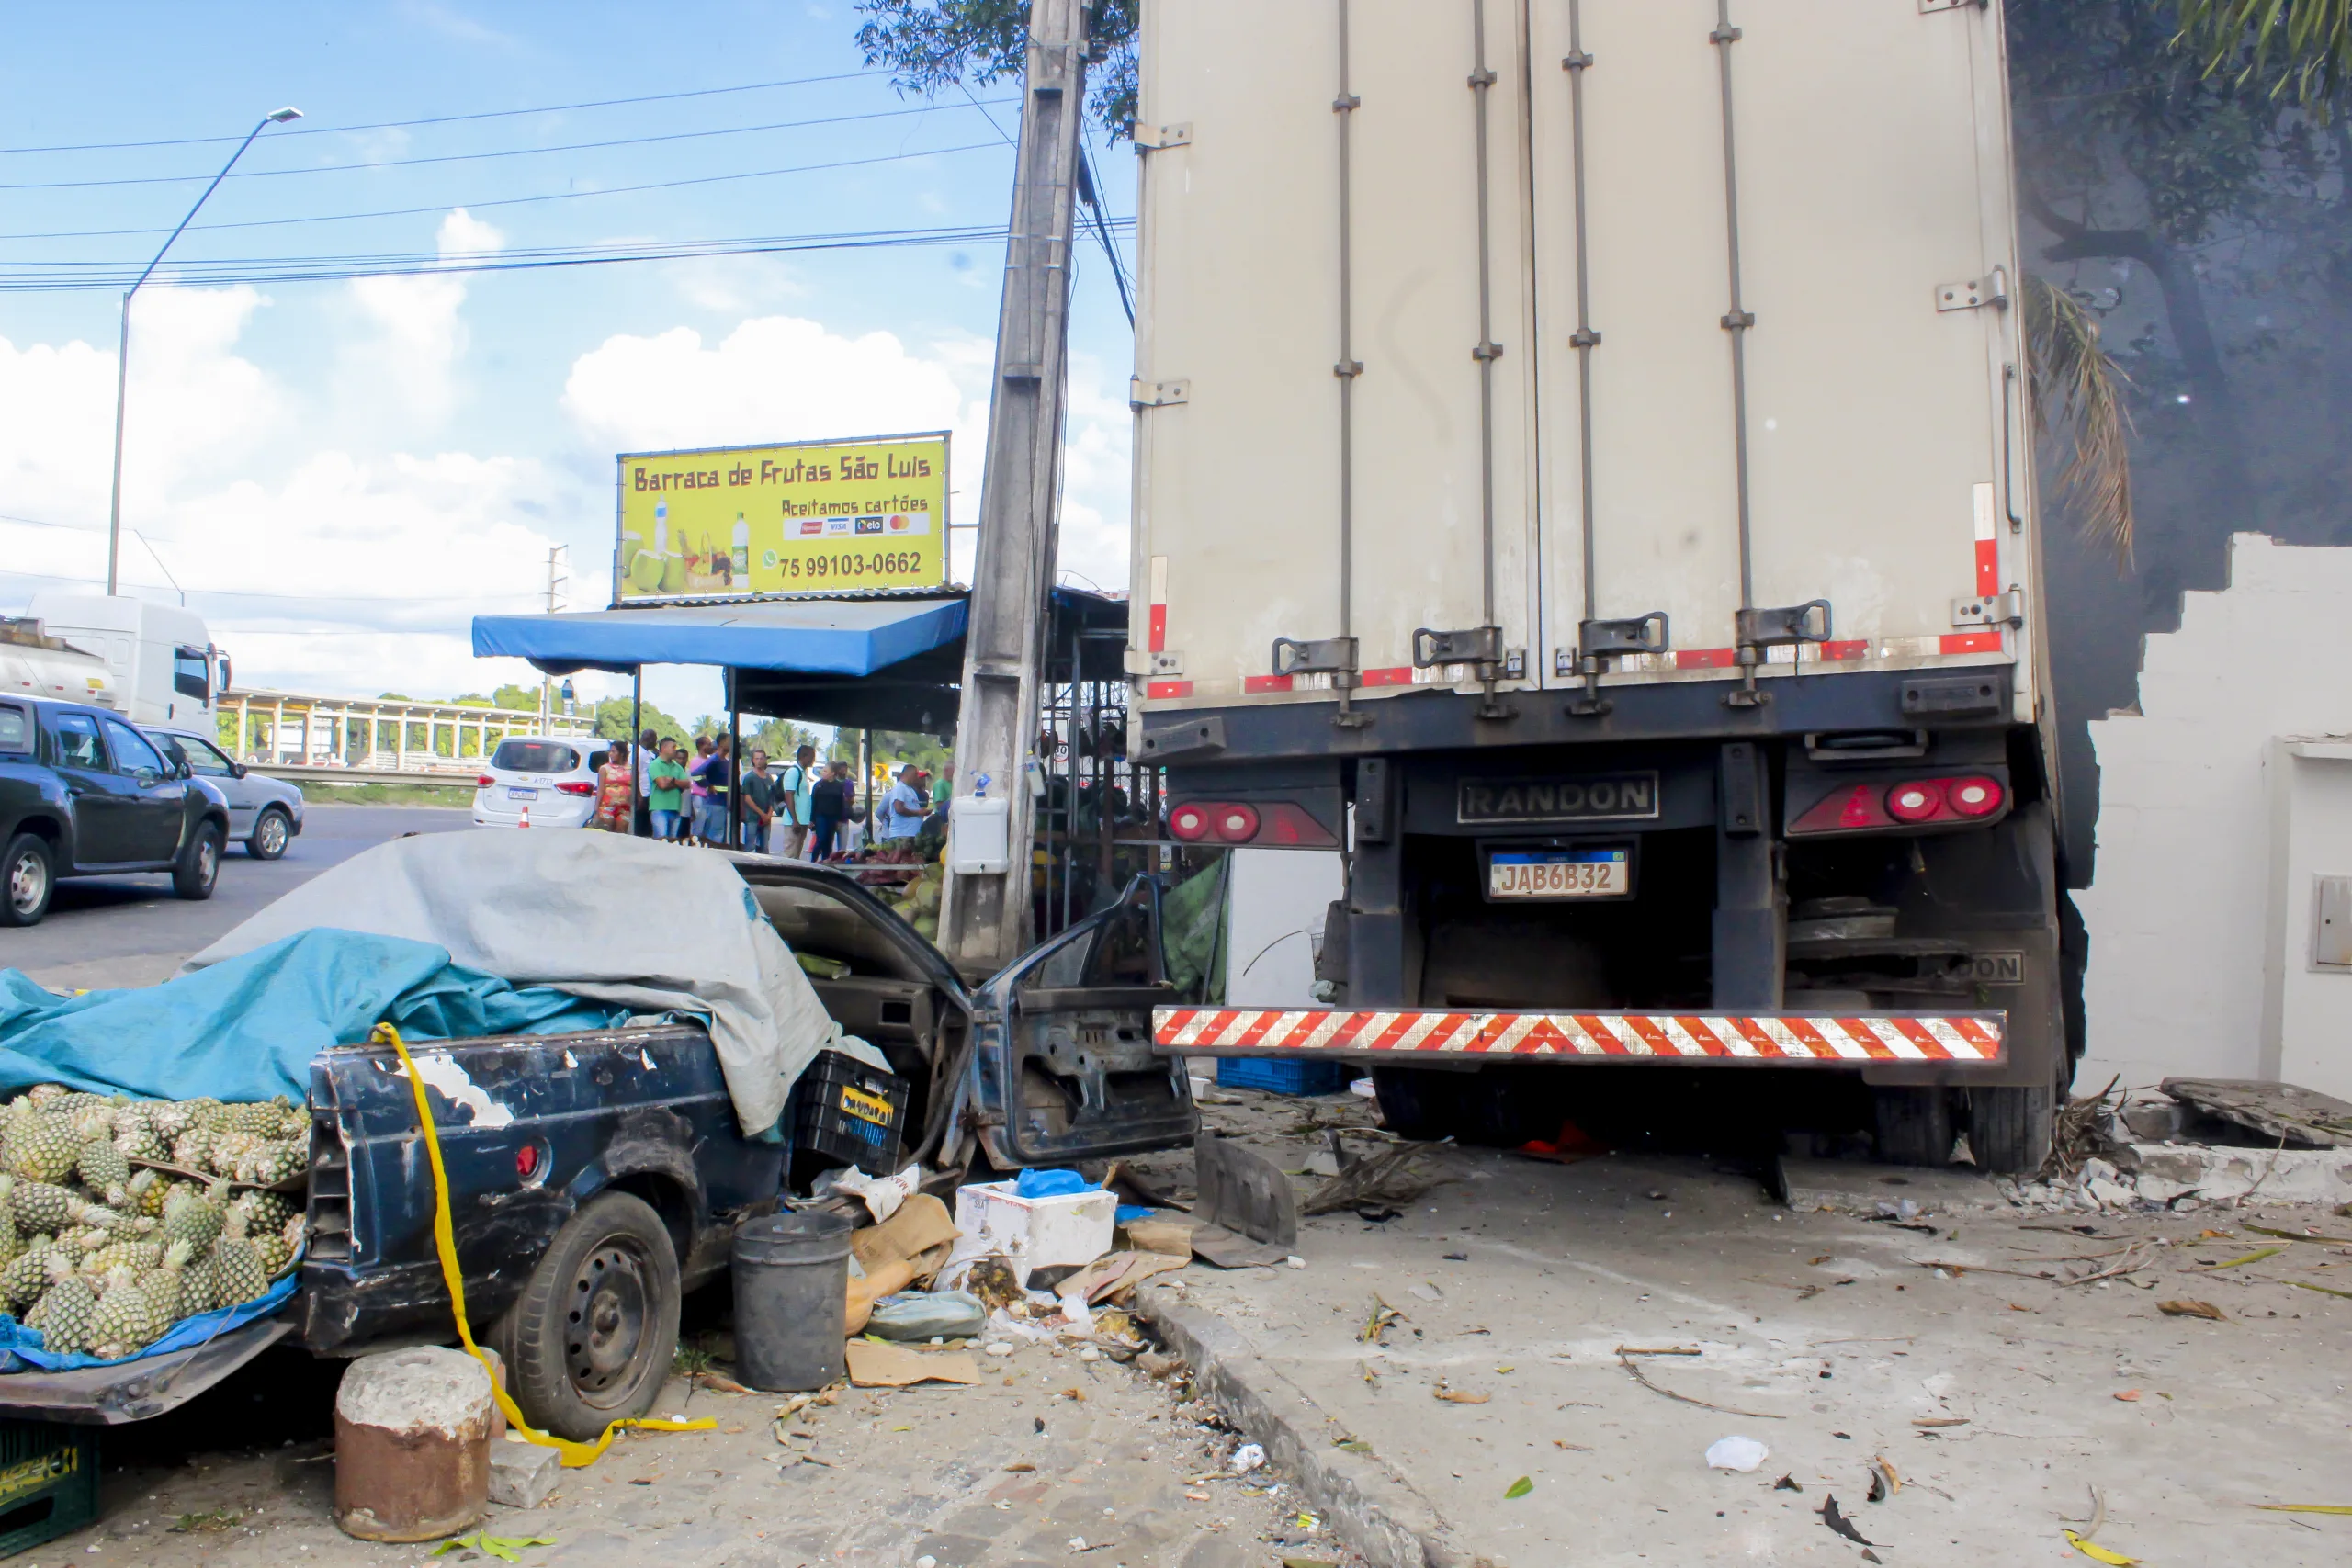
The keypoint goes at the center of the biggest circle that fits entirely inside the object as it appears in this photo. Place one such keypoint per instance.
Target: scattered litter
(2255, 1257)
(1566, 1147)
(1460, 1395)
(1736, 1452)
(1248, 1212)
(2096, 1553)
(1295, 1262)
(1363, 1090)
(1116, 1273)
(998, 1348)
(1390, 1176)
(1383, 1317)
(1939, 1421)
(506, 1548)
(1032, 1225)
(1247, 1457)
(882, 1195)
(1885, 1479)
(1787, 1484)
(873, 1365)
(2192, 1309)
(1625, 1355)
(1352, 1445)
(2340, 1508)
(1518, 1489)
(1839, 1522)
(927, 1314)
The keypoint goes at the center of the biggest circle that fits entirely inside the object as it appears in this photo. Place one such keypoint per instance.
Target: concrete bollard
(412, 1444)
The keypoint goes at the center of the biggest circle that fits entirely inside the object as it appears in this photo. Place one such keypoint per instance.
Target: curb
(1370, 1507)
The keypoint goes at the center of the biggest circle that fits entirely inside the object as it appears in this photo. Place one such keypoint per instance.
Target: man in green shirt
(668, 777)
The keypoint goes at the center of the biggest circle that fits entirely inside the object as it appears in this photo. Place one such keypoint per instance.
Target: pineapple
(100, 1165)
(200, 1283)
(230, 1150)
(196, 1220)
(130, 1196)
(41, 1095)
(239, 1273)
(64, 1313)
(296, 1231)
(138, 1140)
(166, 1284)
(95, 1217)
(267, 1212)
(94, 1120)
(27, 1276)
(10, 1243)
(40, 1206)
(192, 1150)
(169, 1119)
(293, 1121)
(126, 1320)
(45, 1149)
(137, 1254)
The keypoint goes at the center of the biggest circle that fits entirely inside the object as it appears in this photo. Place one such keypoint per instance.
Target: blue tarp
(246, 1028)
(818, 637)
(21, 1350)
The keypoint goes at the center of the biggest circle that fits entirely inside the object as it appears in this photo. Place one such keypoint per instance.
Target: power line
(333, 269)
(496, 152)
(299, 598)
(552, 195)
(456, 118)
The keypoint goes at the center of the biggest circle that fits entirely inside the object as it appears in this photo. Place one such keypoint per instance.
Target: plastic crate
(849, 1113)
(1283, 1076)
(49, 1483)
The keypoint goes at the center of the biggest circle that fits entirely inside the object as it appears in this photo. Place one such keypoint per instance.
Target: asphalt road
(128, 930)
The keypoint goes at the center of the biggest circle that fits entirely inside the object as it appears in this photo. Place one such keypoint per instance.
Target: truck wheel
(1914, 1125)
(28, 876)
(592, 1338)
(2009, 1126)
(1416, 1102)
(271, 834)
(199, 870)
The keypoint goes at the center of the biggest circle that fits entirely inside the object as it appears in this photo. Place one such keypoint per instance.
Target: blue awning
(816, 637)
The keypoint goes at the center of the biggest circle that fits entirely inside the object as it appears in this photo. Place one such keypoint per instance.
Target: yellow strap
(575, 1456)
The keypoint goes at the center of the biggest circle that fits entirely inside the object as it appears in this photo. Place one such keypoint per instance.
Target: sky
(340, 472)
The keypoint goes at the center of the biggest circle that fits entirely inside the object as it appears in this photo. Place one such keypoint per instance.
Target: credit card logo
(903, 523)
(869, 524)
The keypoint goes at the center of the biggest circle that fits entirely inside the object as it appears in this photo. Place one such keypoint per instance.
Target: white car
(537, 781)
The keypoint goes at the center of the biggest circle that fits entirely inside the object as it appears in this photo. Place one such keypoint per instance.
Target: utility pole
(558, 573)
(984, 916)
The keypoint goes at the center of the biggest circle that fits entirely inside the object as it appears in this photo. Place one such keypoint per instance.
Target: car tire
(1416, 1102)
(197, 872)
(272, 831)
(2009, 1127)
(591, 1339)
(28, 877)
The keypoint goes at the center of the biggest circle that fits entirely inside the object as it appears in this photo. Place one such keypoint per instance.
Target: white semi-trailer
(1584, 472)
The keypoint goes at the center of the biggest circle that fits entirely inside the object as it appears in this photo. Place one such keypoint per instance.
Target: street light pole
(122, 349)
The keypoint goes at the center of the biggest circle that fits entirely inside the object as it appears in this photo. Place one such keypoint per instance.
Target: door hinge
(1639, 634)
(1808, 622)
(1478, 644)
(1975, 293)
(1993, 610)
(1158, 137)
(1333, 655)
(1143, 394)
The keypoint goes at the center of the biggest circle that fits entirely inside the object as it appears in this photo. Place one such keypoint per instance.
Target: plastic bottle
(743, 552)
(661, 527)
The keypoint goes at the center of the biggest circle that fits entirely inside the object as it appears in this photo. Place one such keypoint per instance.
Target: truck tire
(592, 1338)
(272, 832)
(198, 868)
(1416, 1102)
(2009, 1126)
(1914, 1126)
(28, 877)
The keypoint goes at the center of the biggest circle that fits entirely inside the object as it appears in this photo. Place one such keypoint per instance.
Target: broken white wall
(2192, 896)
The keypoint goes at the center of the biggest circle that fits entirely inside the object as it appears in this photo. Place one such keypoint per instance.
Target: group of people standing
(661, 788)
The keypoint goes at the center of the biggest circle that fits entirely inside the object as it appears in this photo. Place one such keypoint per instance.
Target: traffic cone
(526, 816)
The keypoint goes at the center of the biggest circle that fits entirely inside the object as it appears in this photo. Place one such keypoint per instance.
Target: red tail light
(484, 781)
(527, 1160)
(1948, 802)
(1920, 800)
(1235, 824)
(575, 786)
(1974, 796)
(1189, 823)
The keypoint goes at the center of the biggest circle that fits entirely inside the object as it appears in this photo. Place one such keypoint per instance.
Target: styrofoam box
(1034, 1232)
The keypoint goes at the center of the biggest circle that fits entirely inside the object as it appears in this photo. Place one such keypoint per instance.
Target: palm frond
(2078, 393)
(2298, 46)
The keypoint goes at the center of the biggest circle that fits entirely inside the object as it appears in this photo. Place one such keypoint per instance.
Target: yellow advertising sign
(797, 517)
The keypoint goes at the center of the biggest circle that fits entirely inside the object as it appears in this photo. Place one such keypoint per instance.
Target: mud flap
(1248, 1214)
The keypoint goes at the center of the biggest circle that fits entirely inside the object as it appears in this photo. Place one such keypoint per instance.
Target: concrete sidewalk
(2000, 1401)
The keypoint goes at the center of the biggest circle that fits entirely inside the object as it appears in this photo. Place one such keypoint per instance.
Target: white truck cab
(160, 665)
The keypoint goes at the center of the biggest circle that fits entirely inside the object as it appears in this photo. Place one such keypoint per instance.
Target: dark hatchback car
(83, 794)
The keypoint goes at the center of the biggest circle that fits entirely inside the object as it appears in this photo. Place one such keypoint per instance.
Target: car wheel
(592, 1336)
(28, 876)
(199, 870)
(272, 832)
(1913, 1125)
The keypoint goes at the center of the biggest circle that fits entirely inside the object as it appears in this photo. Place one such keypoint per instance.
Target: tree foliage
(2301, 48)
(933, 45)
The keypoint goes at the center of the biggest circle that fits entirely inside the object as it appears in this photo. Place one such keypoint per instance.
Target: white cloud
(416, 336)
